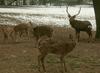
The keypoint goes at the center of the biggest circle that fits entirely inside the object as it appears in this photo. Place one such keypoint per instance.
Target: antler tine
(78, 11)
(67, 10)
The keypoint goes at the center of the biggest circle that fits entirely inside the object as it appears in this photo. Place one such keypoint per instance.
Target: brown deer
(23, 28)
(79, 25)
(61, 48)
(6, 31)
(42, 30)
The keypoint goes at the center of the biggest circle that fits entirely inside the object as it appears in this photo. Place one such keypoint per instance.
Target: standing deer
(23, 28)
(42, 30)
(79, 25)
(60, 48)
(6, 31)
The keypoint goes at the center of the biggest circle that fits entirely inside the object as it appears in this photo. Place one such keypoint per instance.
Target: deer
(50, 46)
(6, 31)
(23, 28)
(79, 25)
(42, 30)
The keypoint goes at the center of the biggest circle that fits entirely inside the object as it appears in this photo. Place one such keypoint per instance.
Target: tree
(42, 2)
(2, 2)
(79, 1)
(10, 2)
(96, 4)
(24, 2)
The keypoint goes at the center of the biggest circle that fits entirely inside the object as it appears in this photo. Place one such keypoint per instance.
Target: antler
(67, 11)
(78, 12)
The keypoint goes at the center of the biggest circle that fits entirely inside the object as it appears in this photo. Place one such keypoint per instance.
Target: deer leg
(63, 63)
(90, 35)
(20, 34)
(41, 62)
(29, 34)
(16, 34)
(78, 35)
(11, 35)
(37, 42)
(5, 36)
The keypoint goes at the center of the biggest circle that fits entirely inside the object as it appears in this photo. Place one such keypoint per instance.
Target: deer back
(42, 30)
(56, 47)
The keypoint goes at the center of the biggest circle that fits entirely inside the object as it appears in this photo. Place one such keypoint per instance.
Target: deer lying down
(47, 46)
(79, 25)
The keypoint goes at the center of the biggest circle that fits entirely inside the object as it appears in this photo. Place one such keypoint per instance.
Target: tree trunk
(44, 2)
(79, 1)
(5, 1)
(96, 4)
(2, 2)
(24, 2)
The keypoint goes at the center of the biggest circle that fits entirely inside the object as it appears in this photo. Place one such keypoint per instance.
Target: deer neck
(73, 23)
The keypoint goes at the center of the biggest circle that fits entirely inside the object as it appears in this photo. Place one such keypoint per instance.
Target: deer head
(71, 18)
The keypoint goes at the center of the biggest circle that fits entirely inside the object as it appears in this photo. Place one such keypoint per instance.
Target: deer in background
(79, 25)
(6, 31)
(23, 28)
(42, 30)
(60, 48)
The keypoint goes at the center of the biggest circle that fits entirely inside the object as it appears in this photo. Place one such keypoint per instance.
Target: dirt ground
(21, 56)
